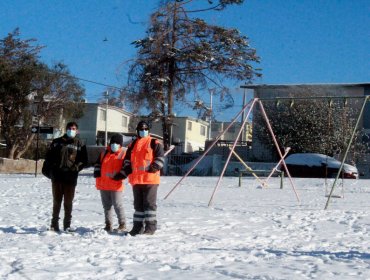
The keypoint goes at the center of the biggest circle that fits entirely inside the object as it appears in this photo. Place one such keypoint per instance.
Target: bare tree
(306, 124)
(183, 56)
(28, 88)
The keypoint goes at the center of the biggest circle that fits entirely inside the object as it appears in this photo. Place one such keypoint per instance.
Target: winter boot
(108, 227)
(150, 227)
(54, 225)
(138, 228)
(66, 225)
(70, 229)
(121, 228)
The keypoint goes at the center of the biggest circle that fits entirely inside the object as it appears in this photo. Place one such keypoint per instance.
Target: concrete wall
(20, 166)
(29, 166)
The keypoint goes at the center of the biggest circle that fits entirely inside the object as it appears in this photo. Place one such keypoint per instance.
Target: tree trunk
(19, 152)
(11, 151)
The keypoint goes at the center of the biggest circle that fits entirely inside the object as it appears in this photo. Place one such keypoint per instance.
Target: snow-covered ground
(248, 233)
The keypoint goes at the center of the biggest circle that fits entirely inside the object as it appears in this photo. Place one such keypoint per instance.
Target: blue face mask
(143, 133)
(71, 133)
(114, 147)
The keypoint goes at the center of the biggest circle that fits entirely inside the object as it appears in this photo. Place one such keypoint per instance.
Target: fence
(178, 165)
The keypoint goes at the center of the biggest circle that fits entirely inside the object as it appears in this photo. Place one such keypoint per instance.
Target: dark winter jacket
(64, 159)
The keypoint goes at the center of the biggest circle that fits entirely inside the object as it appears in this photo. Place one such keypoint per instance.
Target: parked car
(312, 165)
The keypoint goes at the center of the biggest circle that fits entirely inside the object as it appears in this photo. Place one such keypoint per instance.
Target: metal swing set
(249, 107)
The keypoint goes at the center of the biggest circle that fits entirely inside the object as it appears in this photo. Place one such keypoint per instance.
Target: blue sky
(299, 41)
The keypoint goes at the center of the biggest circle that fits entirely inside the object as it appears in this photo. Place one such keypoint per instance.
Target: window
(102, 114)
(190, 124)
(203, 130)
(124, 121)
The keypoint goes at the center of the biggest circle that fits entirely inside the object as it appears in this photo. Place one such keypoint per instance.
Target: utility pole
(243, 115)
(210, 115)
(106, 118)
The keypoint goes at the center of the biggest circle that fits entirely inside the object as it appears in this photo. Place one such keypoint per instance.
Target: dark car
(311, 165)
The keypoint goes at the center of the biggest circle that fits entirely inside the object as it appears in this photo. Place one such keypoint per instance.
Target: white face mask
(71, 133)
(114, 147)
(143, 133)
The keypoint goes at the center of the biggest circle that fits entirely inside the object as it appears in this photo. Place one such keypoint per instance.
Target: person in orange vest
(142, 164)
(106, 167)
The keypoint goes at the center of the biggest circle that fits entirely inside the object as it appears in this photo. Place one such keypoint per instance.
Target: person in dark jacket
(142, 164)
(66, 157)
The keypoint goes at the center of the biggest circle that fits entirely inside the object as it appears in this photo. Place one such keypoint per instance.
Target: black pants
(145, 204)
(62, 191)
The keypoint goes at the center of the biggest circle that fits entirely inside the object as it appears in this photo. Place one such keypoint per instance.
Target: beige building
(189, 134)
(98, 119)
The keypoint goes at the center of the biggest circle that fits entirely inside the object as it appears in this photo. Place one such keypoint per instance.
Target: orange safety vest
(111, 164)
(141, 158)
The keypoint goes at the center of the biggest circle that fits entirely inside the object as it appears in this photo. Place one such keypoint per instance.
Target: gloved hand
(152, 169)
(128, 170)
(119, 177)
(97, 174)
(97, 170)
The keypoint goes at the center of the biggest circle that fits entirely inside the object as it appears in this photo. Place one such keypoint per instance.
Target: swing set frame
(249, 107)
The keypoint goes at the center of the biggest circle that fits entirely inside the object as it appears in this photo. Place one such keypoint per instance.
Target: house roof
(305, 85)
(329, 87)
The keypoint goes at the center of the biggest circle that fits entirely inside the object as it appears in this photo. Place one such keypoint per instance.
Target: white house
(189, 134)
(99, 119)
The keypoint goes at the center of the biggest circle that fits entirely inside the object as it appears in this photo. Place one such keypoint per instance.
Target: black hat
(116, 138)
(142, 125)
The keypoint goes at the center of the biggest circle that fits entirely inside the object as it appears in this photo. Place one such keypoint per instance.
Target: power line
(89, 81)
(120, 88)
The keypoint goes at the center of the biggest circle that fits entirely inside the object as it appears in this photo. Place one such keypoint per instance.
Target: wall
(193, 138)
(20, 166)
(219, 127)
(28, 166)
(114, 120)
(87, 124)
